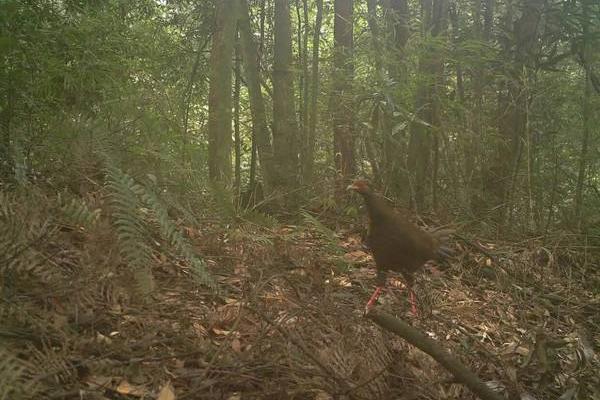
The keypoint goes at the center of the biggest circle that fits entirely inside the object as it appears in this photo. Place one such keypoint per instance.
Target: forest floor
(287, 322)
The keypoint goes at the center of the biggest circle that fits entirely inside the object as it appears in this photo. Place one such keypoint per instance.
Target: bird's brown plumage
(396, 243)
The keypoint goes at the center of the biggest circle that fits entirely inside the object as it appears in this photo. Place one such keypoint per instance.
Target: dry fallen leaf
(356, 256)
(236, 345)
(100, 338)
(221, 332)
(166, 392)
(321, 395)
(131, 390)
(99, 381)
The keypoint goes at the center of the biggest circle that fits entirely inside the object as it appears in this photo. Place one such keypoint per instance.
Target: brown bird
(396, 243)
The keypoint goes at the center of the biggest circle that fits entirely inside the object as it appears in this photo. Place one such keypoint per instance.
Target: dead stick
(431, 347)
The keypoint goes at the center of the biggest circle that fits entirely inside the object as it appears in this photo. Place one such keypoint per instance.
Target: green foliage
(77, 213)
(223, 202)
(130, 227)
(330, 236)
(14, 383)
(133, 75)
(170, 232)
(259, 218)
(24, 227)
(127, 200)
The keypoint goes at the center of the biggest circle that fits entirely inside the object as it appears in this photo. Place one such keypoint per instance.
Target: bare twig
(431, 347)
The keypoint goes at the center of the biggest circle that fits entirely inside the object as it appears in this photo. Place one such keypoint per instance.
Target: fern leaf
(127, 197)
(130, 228)
(13, 381)
(172, 234)
(329, 235)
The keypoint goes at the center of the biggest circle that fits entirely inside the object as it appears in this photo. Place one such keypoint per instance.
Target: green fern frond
(22, 228)
(77, 213)
(249, 233)
(223, 200)
(54, 364)
(13, 381)
(171, 233)
(131, 229)
(329, 235)
(260, 218)
(127, 199)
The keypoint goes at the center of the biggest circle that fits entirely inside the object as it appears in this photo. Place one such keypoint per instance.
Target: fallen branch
(476, 246)
(431, 347)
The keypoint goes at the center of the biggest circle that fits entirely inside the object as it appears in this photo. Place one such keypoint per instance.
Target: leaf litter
(287, 323)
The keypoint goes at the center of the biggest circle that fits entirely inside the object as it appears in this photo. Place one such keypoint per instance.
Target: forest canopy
(484, 109)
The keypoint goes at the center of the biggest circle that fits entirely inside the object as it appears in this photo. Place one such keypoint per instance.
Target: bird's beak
(351, 187)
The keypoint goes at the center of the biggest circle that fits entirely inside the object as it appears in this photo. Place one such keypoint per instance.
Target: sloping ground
(287, 322)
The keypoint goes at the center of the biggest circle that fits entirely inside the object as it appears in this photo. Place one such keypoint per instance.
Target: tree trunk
(461, 179)
(219, 98)
(309, 159)
(342, 102)
(427, 121)
(379, 114)
(236, 123)
(6, 115)
(587, 109)
(473, 183)
(393, 171)
(397, 18)
(513, 103)
(305, 93)
(257, 104)
(285, 128)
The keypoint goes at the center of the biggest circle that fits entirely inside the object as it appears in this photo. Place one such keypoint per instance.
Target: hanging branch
(431, 347)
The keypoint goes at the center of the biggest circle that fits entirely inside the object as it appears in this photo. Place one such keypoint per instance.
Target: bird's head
(360, 186)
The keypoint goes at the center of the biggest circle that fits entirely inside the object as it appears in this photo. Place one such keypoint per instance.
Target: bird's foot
(373, 299)
(413, 304)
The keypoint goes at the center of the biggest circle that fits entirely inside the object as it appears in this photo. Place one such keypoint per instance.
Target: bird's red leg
(413, 302)
(373, 298)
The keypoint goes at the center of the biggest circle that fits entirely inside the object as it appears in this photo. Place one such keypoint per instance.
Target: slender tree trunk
(219, 98)
(587, 109)
(553, 187)
(342, 101)
(305, 93)
(6, 115)
(370, 141)
(397, 18)
(388, 148)
(236, 122)
(393, 171)
(474, 182)
(488, 18)
(426, 107)
(186, 101)
(462, 167)
(257, 105)
(285, 127)
(513, 103)
(376, 39)
(254, 152)
(299, 61)
(314, 96)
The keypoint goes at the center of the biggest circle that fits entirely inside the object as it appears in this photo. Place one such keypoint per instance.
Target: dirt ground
(287, 321)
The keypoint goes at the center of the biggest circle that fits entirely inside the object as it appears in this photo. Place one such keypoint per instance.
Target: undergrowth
(92, 284)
